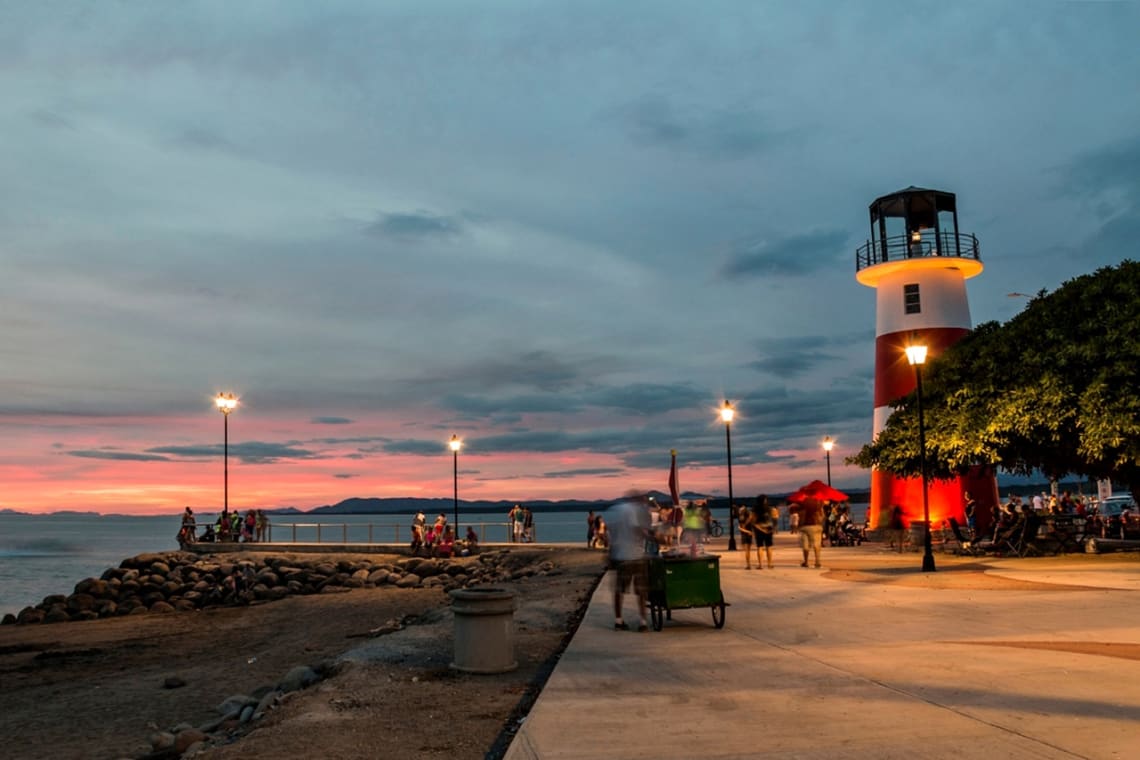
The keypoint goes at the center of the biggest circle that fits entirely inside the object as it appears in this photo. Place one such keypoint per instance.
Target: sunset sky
(562, 231)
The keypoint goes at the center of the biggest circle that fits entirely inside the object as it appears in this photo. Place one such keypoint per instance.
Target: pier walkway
(867, 658)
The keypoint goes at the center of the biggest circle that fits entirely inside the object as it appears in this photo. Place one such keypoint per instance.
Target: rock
(56, 615)
(162, 607)
(360, 575)
(30, 615)
(325, 568)
(298, 678)
(377, 576)
(161, 740)
(246, 714)
(174, 682)
(160, 567)
(411, 580)
(9, 619)
(80, 602)
(187, 738)
(267, 701)
(232, 705)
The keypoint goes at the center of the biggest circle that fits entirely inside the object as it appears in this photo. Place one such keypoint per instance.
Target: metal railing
(374, 533)
(900, 247)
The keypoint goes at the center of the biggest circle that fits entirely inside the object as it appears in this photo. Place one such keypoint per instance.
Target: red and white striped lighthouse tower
(918, 264)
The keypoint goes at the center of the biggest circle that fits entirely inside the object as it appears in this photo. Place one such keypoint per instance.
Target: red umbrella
(817, 489)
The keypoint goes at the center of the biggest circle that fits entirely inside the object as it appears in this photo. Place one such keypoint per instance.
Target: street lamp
(226, 403)
(726, 414)
(455, 445)
(828, 445)
(916, 355)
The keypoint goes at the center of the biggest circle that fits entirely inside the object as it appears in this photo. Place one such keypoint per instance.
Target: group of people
(522, 524)
(757, 527)
(438, 539)
(228, 526)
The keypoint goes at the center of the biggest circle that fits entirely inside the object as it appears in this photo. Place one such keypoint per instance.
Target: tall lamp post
(726, 414)
(226, 403)
(455, 445)
(916, 355)
(828, 445)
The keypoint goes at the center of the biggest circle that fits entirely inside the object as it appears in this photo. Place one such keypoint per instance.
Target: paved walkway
(814, 664)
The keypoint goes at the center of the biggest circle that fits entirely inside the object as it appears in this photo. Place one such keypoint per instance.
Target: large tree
(1055, 389)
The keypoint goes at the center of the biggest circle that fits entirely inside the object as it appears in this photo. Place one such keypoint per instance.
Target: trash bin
(484, 630)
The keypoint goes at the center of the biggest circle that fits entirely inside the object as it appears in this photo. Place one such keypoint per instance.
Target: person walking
(590, 530)
(764, 517)
(746, 522)
(628, 522)
(811, 520)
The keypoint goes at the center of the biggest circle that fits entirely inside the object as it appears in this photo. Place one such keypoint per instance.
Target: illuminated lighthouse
(918, 264)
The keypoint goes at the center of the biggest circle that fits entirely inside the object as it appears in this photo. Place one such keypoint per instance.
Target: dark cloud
(47, 117)
(1108, 181)
(125, 456)
(649, 398)
(796, 356)
(722, 134)
(1099, 172)
(794, 256)
(603, 472)
(635, 398)
(421, 224)
(331, 421)
(250, 452)
(345, 475)
(415, 446)
(511, 407)
(203, 138)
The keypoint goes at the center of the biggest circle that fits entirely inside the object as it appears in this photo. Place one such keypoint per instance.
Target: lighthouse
(918, 263)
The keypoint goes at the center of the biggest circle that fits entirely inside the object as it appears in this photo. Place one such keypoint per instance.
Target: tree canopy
(1055, 389)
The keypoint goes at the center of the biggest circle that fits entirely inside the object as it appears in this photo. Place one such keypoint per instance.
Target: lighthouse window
(911, 300)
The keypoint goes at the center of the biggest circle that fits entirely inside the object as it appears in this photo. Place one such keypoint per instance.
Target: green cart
(677, 583)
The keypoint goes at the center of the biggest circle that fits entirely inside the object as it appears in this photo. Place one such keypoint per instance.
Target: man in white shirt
(628, 523)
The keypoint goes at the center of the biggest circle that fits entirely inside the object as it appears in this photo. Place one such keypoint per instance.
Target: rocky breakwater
(180, 581)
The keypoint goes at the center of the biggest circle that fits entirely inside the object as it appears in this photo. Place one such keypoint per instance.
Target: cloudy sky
(562, 231)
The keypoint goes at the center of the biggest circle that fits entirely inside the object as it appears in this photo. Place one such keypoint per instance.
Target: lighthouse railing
(900, 247)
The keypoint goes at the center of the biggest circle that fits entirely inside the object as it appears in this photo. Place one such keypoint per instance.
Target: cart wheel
(657, 617)
(718, 613)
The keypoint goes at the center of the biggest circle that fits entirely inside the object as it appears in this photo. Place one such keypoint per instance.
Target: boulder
(377, 576)
(30, 615)
(80, 602)
(232, 706)
(56, 614)
(300, 677)
(411, 580)
(187, 738)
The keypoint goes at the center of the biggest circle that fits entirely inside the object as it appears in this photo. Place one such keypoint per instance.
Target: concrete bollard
(484, 630)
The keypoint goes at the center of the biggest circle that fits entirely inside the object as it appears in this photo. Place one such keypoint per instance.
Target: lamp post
(226, 403)
(455, 445)
(916, 355)
(828, 445)
(726, 414)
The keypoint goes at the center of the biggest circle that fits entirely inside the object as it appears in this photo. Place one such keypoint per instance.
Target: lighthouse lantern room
(918, 263)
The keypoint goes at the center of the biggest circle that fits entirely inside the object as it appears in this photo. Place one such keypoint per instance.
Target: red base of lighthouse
(946, 498)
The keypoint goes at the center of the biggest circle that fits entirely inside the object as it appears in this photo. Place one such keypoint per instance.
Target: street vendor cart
(683, 582)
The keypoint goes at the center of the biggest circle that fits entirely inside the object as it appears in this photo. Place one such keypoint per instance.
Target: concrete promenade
(866, 658)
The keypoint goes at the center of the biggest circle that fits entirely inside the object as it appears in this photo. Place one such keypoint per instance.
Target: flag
(673, 480)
